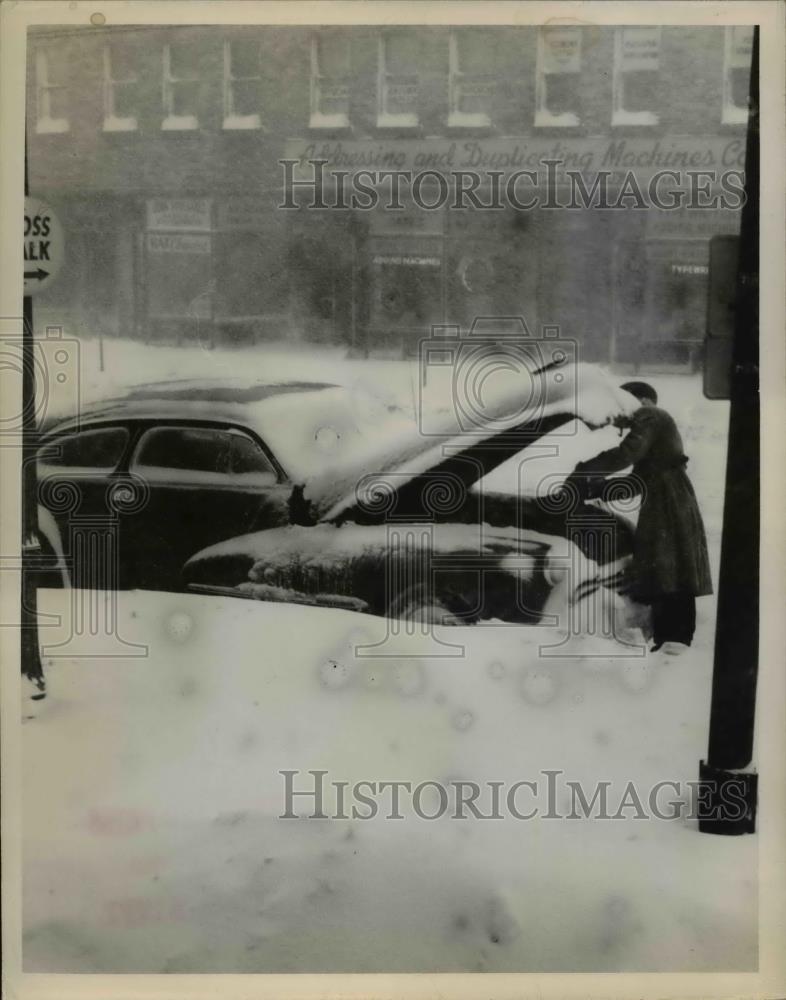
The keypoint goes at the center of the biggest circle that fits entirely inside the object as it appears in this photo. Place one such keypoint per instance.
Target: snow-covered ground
(152, 791)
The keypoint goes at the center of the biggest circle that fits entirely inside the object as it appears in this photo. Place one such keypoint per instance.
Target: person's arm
(633, 447)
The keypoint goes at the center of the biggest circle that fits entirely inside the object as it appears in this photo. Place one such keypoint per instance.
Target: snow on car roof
(307, 425)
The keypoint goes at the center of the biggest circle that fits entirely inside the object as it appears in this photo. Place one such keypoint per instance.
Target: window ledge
(623, 117)
(733, 115)
(328, 121)
(464, 119)
(113, 124)
(567, 119)
(397, 121)
(52, 126)
(180, 123)
(242, 122)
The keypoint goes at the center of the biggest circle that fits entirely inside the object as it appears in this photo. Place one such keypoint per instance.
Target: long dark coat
(670, 548)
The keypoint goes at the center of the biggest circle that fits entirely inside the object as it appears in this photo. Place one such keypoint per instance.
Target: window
(472, 86)
(242, 83)
(398, 80)
(558, 76)
(181, 87)
(203, 455)
(98, 450)
(50, 76)
(120, 89)
(329, 81)
(636, 75)
(736, 75)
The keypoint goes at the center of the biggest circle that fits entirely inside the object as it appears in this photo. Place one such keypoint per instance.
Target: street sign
(44, 246)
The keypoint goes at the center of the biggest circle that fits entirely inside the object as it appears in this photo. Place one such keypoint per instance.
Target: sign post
(43, 250)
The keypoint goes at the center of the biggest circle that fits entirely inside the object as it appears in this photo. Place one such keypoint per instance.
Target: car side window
(202, 454)
(99, 450)
(249, 460)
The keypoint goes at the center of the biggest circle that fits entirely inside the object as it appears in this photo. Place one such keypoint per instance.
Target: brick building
(161, 146)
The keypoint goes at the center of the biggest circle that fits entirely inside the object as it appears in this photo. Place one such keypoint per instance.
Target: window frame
(317, 119)
(457, 118)
(112, 121)
(171, 121)
(231, 119)
(731, 114)
(58, 437)
(620, 115)
(163, 474)
(543, 117)
(45, 123)
(386, 119)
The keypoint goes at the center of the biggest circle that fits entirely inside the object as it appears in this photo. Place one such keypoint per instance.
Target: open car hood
(555, 397)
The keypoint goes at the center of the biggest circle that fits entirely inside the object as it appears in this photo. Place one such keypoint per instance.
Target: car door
(76, 471)
(205, 483)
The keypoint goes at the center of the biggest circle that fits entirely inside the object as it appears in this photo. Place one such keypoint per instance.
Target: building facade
(183, 162)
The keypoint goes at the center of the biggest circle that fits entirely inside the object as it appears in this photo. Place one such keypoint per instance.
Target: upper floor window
(636, 74)
(242, 83)
(180, 86)
(472, 80)
(398, 79)
(558, 76)
(330, 75)
(51, 91)
(737, 74)
(120, 89)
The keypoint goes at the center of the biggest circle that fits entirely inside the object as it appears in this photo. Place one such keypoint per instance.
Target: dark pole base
(728, 801)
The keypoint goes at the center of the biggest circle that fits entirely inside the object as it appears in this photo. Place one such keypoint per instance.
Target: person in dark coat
(670, 560)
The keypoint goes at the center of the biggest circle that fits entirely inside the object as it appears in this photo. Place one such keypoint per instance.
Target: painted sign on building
(185, 214)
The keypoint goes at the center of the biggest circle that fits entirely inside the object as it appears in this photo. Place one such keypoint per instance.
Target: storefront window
(472, 82)
(662, 304)
(330, 80)
(636, 75)
(179, 276)
(120, 89)
(242, 81)
(558, 76)
(398, 79)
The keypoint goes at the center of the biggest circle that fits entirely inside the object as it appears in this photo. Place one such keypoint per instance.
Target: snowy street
(152, 791)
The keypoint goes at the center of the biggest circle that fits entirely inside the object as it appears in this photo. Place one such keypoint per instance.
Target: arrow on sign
(39, 275)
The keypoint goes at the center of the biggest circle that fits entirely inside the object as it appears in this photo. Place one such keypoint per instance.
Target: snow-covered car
(137, 483)
(410, 530)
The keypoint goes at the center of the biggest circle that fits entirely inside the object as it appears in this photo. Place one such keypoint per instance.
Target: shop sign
(640, 48)
(188, 214)
(177, 243)
(561, 49)
(644, 156)
(243, 213)
(409, 260)
(690, 269)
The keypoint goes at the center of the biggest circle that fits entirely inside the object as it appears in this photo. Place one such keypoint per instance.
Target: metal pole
(30, 650)
(736, 662)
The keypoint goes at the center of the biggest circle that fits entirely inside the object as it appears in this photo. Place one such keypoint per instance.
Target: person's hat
(641, 390)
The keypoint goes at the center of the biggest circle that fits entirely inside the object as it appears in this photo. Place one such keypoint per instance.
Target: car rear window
(100, 449)
(204, 450)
